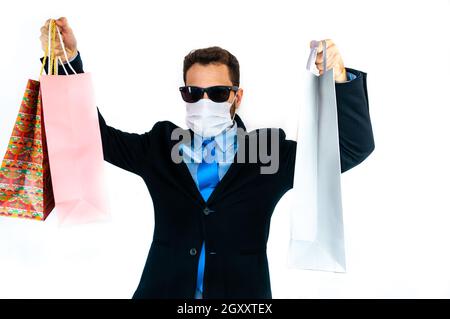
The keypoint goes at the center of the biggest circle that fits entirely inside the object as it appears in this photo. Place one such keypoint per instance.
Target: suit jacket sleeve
(122, 149)
(356, 140)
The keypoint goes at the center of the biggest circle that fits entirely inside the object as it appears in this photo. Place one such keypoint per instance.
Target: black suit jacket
(234, 222)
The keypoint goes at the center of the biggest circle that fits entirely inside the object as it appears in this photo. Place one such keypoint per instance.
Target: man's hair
(214, 55)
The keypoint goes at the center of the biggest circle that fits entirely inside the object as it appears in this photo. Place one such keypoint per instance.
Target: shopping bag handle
(53, 64)
(311, 65)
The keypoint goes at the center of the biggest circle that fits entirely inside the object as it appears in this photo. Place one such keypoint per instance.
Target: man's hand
(68, 37)
(334, 60)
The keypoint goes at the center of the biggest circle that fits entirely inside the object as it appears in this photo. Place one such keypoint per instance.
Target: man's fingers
(66, 32)
(330, 48)
(44, 28)
(330, 57)
(62, 24)
(330, 54)
(329, 43)
(330, 63)
(44, 38)
(334, 59)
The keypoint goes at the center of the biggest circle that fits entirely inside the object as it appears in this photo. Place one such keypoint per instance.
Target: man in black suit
(212, 201)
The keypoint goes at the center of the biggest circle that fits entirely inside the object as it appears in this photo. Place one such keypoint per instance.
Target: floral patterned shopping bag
(25, 182)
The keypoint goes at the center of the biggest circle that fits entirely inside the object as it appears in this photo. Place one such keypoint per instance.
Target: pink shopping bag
(74, 148)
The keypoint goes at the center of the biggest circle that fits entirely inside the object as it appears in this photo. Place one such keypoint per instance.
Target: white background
(396, 203)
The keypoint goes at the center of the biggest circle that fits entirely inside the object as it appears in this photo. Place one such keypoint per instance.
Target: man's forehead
(204, 75)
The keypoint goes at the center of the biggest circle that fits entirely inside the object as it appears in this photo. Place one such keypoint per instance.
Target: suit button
(207, 211)
(193, 251)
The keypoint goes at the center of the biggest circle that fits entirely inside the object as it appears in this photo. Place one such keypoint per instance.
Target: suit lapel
(183, 178)
(233, 170)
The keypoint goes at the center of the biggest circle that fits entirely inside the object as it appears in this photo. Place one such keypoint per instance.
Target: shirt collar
(224, 141)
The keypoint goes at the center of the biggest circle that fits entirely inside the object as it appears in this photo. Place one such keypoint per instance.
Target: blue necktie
(207, 177)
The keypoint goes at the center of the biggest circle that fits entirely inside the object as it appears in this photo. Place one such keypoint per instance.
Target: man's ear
(239, 94)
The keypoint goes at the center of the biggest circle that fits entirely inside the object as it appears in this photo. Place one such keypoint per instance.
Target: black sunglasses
(218, 93)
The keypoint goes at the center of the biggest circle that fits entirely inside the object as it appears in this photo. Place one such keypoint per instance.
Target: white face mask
(207, 118)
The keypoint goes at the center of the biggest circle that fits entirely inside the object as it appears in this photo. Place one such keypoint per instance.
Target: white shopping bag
(317, 231)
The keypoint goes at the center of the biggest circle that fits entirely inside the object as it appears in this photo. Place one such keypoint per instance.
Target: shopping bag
(25, 181)
(74, 143)
(317, 231)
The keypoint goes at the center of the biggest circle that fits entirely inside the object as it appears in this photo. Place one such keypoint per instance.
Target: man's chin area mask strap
(234, 114)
